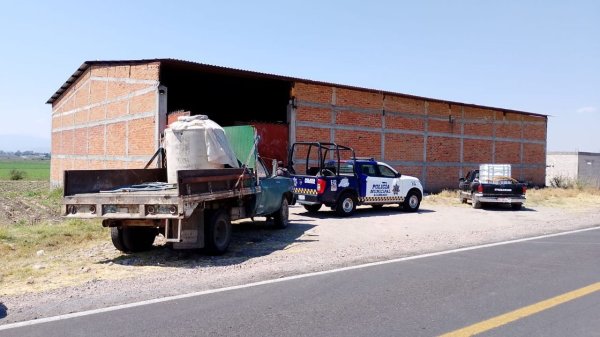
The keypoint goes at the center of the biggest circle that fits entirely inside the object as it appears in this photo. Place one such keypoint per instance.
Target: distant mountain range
(24, 143)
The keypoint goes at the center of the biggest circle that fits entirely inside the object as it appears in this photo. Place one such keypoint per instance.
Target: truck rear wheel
(133, 239)
(116, 235)
(281, 217)
(475, 203)
(516, 207)
(346, 204)
(312, 208)
(217, 232)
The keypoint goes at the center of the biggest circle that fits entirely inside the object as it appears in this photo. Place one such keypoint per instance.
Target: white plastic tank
(195, 143)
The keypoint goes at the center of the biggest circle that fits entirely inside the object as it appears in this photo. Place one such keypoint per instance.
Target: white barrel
(187, 147)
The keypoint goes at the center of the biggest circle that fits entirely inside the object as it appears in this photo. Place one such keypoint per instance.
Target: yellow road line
(529, 310)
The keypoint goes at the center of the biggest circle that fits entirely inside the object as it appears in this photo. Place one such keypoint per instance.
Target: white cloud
(587, 110)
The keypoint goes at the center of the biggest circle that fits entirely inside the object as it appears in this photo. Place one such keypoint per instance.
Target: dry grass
(37, 253)
(565, 198)
(445, 197)
(578, 197)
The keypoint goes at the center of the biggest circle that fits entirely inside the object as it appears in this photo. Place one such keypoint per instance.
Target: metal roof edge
(85, 65)
(564, 153)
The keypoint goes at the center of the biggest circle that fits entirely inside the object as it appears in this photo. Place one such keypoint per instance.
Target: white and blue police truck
(322, 177)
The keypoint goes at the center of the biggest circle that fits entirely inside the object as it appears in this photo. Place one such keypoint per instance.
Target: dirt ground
(318, 242)
(20, 202)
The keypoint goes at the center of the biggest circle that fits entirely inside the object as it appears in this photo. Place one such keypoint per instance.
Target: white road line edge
(283, 279)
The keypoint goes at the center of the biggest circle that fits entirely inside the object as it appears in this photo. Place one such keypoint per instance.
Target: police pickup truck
(323, 178)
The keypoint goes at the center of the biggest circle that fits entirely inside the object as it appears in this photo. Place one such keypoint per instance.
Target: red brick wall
(106, 119)
(436, 141)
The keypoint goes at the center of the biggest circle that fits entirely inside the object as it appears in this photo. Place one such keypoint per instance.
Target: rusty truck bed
(108, 193)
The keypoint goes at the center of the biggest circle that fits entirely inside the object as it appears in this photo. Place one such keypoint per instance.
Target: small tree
(17, 174)
(561, 181)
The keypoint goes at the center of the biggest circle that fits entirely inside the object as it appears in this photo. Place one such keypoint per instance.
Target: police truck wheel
(217, 232)
(346, 205)
(281, 217)
(412, 202)
(516, 207)
(312, 208)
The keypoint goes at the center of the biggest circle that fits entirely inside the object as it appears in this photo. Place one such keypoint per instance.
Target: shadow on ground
(366, 212)
(3, 311)
(501, 208)
(250, 239)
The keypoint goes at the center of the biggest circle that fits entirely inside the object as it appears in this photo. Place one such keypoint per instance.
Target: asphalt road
(427, 296)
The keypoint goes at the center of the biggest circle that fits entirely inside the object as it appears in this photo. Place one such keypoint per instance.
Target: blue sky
(536, 56)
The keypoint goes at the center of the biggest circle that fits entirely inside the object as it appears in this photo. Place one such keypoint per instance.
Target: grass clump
(17, 174)
(445, 197)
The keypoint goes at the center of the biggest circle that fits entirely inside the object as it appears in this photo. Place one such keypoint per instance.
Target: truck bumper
(500, 200)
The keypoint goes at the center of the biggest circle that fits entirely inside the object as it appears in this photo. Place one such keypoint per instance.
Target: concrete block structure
(110, 114)
(583, 167)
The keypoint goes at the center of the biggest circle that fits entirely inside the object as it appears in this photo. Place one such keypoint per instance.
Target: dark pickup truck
(496, 189)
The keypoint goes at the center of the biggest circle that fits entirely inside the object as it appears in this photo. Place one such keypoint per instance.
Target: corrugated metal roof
(195, 66)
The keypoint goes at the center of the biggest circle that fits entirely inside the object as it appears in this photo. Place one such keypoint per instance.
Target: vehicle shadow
(3, 310)
(250, 239)
(327, 213)
(503, 208)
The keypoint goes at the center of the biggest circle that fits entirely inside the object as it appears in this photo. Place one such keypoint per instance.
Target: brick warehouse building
(110, 114)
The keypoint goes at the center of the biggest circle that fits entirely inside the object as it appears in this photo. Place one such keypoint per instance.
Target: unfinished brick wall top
(106, 118)
(438, 141)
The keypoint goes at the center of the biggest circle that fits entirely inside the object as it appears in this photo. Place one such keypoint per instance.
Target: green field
(35, 169)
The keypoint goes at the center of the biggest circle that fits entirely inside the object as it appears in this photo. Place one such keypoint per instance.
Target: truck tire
(116, 235)
(138, 239)
(412, 201)
(475, 203)
(346, 204)
(217, 232)
(281, 217)
(516, 207)
(462, 199)
(312, 208)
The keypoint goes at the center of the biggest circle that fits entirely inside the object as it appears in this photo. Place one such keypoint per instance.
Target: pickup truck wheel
(475, 203)
(516, 207)
(412, 202)
(346, 204)
(281, 217)
(217, 232)
(134, 239)
(462, 199)
(312, 208)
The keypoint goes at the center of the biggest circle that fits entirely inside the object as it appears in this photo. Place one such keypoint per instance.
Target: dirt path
(312, 243)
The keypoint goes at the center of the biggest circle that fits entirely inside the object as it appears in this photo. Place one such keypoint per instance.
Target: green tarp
(241, 139)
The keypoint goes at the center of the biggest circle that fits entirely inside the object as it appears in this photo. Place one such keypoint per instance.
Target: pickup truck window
(347, 169)
(261, 171)
(386, 171)
(368, 169)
